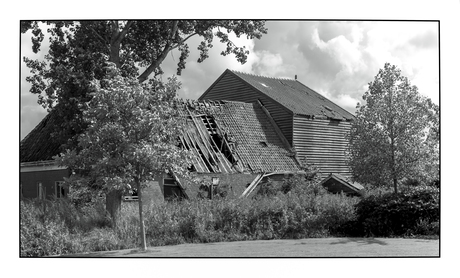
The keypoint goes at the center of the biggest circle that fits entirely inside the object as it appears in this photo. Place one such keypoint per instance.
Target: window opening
(59, 189)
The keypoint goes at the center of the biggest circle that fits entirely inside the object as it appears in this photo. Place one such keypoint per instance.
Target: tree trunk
(393, 167)
(141, 217)
(392, 141)
(115, 42)
(113, 205)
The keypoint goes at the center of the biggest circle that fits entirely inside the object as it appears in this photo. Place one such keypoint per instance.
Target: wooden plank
(176, 178)
(195, 157)
(193, 142)
(315, 145)
(196, 138)
(203, 136)
(253, 184)
(224, 161)
(274, 125)
(322, 150)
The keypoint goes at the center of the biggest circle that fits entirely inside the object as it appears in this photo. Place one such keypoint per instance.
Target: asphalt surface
(311, 247)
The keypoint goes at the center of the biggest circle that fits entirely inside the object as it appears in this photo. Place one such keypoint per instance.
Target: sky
(335, 58)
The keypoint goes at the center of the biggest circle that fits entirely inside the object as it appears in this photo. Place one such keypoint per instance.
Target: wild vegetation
(67, 227)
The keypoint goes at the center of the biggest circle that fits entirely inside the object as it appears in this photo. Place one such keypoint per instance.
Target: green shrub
(398, 214)
(268, 189)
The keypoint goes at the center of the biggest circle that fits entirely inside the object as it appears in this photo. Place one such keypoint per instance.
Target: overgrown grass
(62, 229)
(57, 227)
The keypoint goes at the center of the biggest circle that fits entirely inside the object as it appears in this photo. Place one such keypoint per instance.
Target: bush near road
(58, 227)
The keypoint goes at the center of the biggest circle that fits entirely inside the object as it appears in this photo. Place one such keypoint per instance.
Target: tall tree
(131, 137)
(395, 134)
(78, 51)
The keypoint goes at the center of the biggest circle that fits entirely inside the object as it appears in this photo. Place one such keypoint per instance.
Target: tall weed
(60, 227)
(42, 233)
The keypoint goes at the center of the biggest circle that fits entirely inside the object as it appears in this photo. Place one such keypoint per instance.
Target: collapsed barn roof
(225, 137)
(235, 137)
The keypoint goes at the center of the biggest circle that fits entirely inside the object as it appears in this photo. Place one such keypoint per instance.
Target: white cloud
(337, 59)
(269, 64)
(361, 50)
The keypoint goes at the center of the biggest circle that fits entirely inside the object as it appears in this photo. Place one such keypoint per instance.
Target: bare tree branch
(182, 41)
(162, 56)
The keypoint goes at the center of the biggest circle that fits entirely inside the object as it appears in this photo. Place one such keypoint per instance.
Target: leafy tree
(79, 50)
(132, 134)
(395, 134)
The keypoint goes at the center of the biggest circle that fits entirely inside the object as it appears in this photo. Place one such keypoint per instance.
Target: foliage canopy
(132, 132)
(79, 50)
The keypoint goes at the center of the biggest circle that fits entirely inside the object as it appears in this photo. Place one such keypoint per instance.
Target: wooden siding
(229, 87)
(323, 142)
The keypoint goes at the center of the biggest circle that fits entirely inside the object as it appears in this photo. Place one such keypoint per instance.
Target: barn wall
(29, 181)
(231, 88)
(323, 142)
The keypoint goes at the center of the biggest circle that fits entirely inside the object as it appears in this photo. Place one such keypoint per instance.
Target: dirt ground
(312, 247)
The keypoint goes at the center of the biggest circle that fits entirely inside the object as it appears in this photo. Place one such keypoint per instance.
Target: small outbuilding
(337, 183)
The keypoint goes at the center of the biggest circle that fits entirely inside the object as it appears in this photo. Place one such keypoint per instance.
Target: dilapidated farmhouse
(242, 129)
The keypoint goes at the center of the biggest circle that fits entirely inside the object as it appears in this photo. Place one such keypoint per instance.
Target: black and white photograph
(234, 140)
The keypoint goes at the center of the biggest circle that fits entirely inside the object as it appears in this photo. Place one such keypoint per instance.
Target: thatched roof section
(39, 145)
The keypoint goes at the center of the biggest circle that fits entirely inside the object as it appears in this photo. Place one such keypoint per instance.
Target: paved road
(312, 247)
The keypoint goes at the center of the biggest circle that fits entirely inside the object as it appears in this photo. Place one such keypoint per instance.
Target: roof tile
(295, 96)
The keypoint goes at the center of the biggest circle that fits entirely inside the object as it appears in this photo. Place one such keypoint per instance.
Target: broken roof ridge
(263, 76)
(182, 101)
